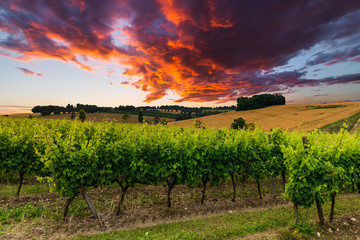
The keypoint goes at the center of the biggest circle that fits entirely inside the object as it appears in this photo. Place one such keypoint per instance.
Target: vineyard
(73, 157)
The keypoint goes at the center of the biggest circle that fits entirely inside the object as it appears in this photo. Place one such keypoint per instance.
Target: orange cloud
(214, 50)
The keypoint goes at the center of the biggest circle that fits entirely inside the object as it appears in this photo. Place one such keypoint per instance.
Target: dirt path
(356, 127)
(144, 206)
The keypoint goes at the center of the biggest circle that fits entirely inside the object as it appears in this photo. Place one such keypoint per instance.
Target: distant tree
(36, 109)
(87, 108)
(250, 126)
(128, 108)
(69, 108)
(183, 116)
(164, 122)
(82, 115)
(45, 112)
(73, 114)
(30, 116)
(141, 117)
(56, 112)
(199, 124)
(156, 120)
(125, 117)
(239, 123)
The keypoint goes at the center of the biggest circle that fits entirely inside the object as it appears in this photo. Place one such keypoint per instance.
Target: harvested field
(295, 117)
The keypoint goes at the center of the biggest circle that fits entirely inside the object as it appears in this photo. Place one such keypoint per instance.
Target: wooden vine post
(234, 188)
(89, 203)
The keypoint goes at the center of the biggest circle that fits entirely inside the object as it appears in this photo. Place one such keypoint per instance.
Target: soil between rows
(143, 206)
(146, 206)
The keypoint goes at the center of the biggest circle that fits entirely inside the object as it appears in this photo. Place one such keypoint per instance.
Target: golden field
(290, 117)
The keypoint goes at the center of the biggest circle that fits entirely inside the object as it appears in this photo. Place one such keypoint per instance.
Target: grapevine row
(74, 156)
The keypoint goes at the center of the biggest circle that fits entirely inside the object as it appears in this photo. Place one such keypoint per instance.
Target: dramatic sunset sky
(185, 52)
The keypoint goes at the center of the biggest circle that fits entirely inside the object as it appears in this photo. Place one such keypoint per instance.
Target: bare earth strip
(295, 117)
(356, 127)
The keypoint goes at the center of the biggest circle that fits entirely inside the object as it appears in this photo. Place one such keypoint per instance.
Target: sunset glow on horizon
(184, 52)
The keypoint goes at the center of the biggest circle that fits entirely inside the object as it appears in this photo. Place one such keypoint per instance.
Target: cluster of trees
(47, 110)
(172, 108)
(56, 110)
(127, 108)
(185, 112)
(194, 109)
(259, 101)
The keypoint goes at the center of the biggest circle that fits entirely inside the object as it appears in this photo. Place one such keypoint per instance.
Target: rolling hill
(291, 117)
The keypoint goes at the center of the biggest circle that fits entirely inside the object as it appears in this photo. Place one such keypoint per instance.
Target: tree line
(168, 111)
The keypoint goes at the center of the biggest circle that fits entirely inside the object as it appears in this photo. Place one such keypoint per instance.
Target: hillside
(291, 117)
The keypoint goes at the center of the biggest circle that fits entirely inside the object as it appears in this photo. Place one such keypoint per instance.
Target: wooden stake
(89, 203)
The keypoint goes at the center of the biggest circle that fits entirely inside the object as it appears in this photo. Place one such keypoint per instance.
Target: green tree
(45, 112)
(164, 122)
(141, 117)
(239, 123)
(73, 114)
(57, 112)
(69, 108)
(125, 117)
(199, 124)
(157, 120)
(82, 115)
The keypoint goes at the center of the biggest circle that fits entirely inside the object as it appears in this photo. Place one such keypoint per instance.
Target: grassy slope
(336, 126)
(291, 117)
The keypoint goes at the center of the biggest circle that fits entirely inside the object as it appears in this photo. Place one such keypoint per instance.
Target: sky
(183, 52)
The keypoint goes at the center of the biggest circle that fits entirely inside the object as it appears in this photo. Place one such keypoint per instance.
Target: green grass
(19, 213)
(336, 126)
(7, 178)
(78, 208)
(326, 106)
(230, 226)
(10, 190)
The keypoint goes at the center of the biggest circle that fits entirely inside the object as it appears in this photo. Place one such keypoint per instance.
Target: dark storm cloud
(202, 50)
(335, 57)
